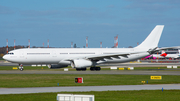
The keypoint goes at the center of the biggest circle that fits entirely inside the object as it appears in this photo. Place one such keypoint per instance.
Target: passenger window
(11, 53)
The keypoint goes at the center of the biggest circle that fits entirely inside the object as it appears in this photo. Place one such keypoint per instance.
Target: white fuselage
(59, 55)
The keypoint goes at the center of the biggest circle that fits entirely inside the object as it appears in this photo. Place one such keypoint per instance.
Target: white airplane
(165, 55)
(81, 58)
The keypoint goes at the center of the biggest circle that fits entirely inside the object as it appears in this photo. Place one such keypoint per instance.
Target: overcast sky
(66, 21)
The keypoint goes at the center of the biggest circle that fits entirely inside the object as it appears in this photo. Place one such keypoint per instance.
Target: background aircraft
(163, 55)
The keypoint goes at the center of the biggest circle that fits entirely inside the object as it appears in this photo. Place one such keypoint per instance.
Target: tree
(1, 55)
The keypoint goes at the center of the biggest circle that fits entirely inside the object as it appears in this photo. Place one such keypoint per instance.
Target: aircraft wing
(107, 56)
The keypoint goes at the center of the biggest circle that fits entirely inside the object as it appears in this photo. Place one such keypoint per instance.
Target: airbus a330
(81, 58)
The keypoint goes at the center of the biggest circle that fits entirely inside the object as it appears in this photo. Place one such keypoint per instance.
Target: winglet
(153, 38)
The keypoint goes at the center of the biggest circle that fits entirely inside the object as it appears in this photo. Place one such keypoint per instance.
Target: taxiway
(88, 88)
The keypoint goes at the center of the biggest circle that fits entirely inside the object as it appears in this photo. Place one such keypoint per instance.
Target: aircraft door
(54, 54)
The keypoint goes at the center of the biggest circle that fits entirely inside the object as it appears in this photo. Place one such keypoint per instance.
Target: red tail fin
(164, 55)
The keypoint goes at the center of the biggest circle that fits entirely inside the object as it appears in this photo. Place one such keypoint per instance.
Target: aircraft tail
(153, 38)
(163, 53)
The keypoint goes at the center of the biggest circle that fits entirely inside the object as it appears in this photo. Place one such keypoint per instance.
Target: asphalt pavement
(89, 88)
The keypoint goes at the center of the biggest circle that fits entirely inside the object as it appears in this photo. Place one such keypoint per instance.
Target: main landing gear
(91, 68)
(79, 69)
(21, 67)
(95, 68)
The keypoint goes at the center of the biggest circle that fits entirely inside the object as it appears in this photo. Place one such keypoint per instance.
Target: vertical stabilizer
(153, 38)
(162, 52)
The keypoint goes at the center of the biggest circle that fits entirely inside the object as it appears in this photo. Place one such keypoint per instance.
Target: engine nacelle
(81, 63)
(55, 66)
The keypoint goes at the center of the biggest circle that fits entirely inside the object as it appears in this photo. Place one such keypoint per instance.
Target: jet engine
(81, 63)
(55, 66)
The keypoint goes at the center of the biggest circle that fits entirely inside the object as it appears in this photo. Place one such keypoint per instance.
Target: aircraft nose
(5, 57)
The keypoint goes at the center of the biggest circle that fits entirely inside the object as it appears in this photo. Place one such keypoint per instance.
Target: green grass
(149, 68)
(73, 69)
(144, 95)
(51, 80)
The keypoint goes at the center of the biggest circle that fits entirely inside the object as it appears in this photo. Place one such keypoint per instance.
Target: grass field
(51, 80)
(144, 95)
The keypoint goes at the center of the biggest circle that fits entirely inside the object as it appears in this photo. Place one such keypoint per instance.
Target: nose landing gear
(21, 67)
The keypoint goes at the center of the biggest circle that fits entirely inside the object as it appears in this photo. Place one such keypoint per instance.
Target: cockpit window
(11, 53)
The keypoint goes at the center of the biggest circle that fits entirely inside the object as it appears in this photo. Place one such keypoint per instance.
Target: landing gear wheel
(95, 68)
(21, 69)
(98, 68)
(78, 69)
(92, 68)
(83, 69)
